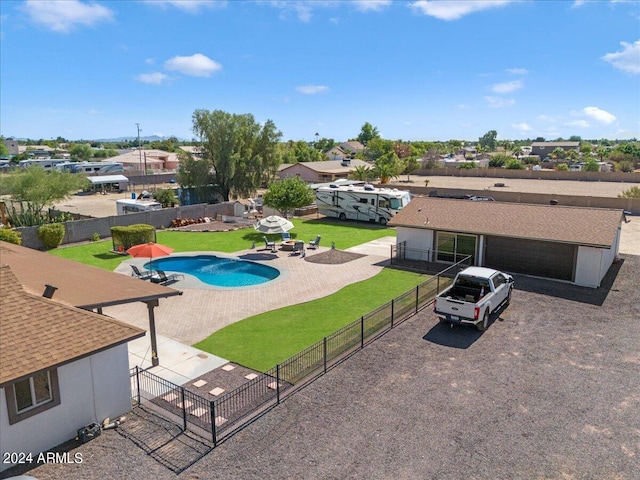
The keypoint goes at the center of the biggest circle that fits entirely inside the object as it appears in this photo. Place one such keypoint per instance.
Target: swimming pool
(218, 271)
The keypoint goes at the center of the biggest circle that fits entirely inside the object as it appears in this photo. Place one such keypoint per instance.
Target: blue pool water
(221, 272)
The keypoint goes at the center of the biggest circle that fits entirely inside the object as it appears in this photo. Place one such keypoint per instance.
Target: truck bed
(463, 294)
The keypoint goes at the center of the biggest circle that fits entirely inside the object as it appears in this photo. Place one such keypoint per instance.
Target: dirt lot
(549, 391)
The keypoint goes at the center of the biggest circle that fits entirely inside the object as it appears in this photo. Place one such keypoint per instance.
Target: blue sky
(417, 70)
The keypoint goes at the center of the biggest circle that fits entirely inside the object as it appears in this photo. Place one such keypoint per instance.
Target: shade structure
(273, 224)
(150, 250)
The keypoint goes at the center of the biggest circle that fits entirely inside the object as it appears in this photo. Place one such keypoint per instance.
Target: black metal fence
(426, 259)
(219, 418)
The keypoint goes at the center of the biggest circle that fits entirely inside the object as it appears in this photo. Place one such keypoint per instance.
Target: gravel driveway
(550, 390)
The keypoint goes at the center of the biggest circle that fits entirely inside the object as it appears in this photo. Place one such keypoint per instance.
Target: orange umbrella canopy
(150, 250)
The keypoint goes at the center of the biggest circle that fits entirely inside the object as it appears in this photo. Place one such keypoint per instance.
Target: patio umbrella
(273, 224)
(149, 250)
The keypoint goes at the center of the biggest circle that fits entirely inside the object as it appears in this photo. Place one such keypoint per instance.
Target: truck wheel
(342, 217)
(484, 324)
(383, 221)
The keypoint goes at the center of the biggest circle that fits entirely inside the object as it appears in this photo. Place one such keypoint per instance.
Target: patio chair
(298, 248)
(286, 237)
(163, 279)
(268, 244)
(313, 244)
(141, 275)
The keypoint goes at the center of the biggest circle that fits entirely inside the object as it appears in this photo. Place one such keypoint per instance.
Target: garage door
(531, 257)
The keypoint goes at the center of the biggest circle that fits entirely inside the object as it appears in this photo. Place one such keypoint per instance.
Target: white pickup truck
(475, 294)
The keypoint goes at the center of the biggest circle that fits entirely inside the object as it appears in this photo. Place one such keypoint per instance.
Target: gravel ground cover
(550, 390)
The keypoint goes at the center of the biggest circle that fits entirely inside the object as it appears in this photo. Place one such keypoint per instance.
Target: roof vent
(49, 291)
(368, 187)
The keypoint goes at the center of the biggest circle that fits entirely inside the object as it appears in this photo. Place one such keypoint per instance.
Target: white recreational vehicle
(89, 168)
(361, 202)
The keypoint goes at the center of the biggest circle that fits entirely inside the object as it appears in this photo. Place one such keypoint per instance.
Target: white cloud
(92, 112)
(189, 6)
(628, 60)
(150, 61)
(517, 71)
(454, 10)
(522, 127)
(62, 17)
(155, 78)
(312, 89)
(371, 5)
(197, 65)
(300, 8)
(599, 115)
(507, 87)
(499, 102)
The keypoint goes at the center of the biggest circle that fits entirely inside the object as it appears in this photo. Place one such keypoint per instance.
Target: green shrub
(51, 235)
(95, 237)
(514, 164)
(10, 236)
(166, 197)
(128, 236)
(562, 167)
(633, 192)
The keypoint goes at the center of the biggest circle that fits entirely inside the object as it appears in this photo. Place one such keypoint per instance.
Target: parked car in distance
(475, 294)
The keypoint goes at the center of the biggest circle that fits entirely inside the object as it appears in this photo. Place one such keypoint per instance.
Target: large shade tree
(241, 151)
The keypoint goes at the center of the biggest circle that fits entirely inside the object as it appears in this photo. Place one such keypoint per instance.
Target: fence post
(184, 409)
(324, 353)
(392, 305)
(278, 383)
(212, 409)
(437, 284)
(362, 332)
(138, 382)
(417, 296)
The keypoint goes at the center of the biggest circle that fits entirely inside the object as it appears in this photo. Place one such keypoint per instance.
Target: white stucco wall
(417, 238)
(594, 263)
(91, 389)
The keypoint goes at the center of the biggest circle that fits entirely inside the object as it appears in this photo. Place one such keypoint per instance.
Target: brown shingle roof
(37, 333)
(78, 284)
(576, 225)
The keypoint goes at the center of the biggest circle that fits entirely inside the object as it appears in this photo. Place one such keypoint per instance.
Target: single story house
(61, 369)
(572, 244)
(318, 172)
(544, 149)
(155, 161)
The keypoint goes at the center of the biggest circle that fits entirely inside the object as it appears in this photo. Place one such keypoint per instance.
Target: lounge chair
(269, 245)
(162, 278)
(286, 237)
(141, 275)
(313, 244)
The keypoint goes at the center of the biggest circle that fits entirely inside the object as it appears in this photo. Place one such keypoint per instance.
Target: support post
(151, 304)
(213, 422)
(184, 410)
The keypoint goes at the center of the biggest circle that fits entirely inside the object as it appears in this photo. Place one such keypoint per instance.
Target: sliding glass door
(453, 247)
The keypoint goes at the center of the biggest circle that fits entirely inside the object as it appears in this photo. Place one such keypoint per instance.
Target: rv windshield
(398, 203)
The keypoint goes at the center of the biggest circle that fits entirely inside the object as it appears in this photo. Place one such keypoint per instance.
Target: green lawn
(262, 341)
(343, 235)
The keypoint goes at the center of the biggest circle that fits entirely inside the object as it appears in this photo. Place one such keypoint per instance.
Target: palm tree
(361, 172)
(384, 172)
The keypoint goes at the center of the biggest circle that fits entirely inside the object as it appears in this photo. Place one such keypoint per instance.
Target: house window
(32, 395)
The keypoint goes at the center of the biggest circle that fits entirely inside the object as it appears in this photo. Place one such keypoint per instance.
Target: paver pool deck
(201, 310)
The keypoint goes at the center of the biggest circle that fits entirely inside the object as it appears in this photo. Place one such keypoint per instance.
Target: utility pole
(139, 152)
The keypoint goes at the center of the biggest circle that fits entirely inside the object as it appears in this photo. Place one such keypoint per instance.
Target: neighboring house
(544, 149)
(573, 244)
(345, 150)
(155, 160)
(61, 368)
(316, 172)
(456, 161)
(196, 152)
